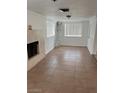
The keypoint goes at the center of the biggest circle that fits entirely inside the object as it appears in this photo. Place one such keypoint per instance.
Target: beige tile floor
(64, 70)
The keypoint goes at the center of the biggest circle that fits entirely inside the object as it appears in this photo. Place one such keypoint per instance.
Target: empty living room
(62, 46)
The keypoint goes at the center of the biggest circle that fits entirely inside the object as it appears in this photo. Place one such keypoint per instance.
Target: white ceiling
(78, 8)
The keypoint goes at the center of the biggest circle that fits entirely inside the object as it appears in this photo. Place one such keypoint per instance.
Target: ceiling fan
(64, 9)
(68, 16)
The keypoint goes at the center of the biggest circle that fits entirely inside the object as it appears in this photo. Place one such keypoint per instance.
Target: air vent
(64, 9)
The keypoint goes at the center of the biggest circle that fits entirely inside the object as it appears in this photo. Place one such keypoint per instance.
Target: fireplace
(33, 49)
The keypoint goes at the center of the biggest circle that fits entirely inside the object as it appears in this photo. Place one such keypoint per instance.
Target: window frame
(67, 35)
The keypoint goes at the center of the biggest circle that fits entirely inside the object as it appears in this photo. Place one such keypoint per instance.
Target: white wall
(49, 44)
(38, 23)
(72, 41)
(50, 40)
(95, 44)
(92, 40)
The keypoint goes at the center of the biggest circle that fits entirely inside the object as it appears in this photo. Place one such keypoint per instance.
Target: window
(50, 29)
(73, 30)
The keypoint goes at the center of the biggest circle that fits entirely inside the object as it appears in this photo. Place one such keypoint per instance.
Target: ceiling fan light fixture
(64, 9)
(68, 16)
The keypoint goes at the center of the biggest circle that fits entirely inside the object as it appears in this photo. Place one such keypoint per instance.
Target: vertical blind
(73, 30)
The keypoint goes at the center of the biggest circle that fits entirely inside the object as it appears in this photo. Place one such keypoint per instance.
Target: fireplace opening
(33, 49)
